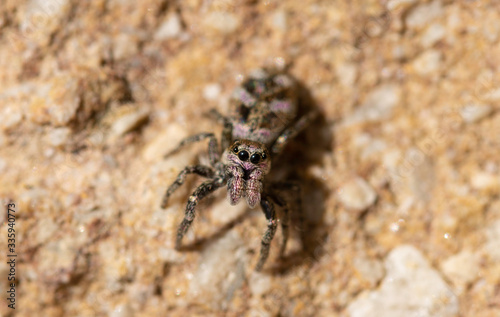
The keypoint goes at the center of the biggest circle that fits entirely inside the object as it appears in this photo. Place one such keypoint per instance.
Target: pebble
(428, 63)
(411, 287)
(170, 28)
(58, 136)
(223, 22)
(434, 33)
(221, 268)
(357, 194)
(379, 105)
(129, 121)
(461, 269)
(423, 14)
(474, 112)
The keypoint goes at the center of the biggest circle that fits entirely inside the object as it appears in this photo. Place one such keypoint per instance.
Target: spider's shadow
(302, 152)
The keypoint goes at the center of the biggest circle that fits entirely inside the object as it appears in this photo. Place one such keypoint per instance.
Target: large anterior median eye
(243, 155)
(255, 158)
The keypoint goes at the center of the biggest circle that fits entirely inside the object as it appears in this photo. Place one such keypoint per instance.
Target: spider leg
(227, 132)
(202, 191)
(292, 132)
(213, 146)
(284, 221)
(268, 208)
(201, 170)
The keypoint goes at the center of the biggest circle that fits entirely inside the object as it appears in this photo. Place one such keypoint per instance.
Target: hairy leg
(284, 221)
(227, 132)
(213, 146)
(292, 132)
(201, 170)
(268, 208)
(202, 191)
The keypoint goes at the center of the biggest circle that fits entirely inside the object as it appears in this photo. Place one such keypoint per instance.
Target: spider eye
(243, 155)
(255, 158)
(235, 149)
(264, 156)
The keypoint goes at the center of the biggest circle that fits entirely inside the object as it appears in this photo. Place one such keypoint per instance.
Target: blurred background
(400, 174)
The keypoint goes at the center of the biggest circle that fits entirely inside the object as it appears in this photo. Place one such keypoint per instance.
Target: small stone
(485, 181)
(128, 122)
(423, 14)
(211, 91)
(461, 269)
(346, 74)
(224, 22)
(164, 142)
(434, 33)
(427, 63)
(222, 267)
(259, 283)
(371, 270)
(122, 310)
(377, 106)
(357, 194)
(411, 287)
(279, 20)
(11, 117)
(58, 136)
(170, 28)
(473, 113)
(399, 4)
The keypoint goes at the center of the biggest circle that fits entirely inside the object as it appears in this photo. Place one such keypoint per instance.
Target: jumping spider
(263, 119)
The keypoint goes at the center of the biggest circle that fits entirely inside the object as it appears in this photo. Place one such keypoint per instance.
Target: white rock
(378, 105)
(473, 113)
(279, 20)
(170, 28)
(493, 236)
(221, 271)
(357, 194)
(58, 136)
(411, 287)
(371, 270)
(224, 22)
(129, 122)
(346, 74)
(259, 283)
(485, 181)
(164, 142)
(399, 4)
(11, 116)
(211, 91)
(423, 14)
(434, 33)
(462, 268)
(428, 63)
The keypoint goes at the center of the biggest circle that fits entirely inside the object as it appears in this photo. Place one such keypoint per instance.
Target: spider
(263, 120)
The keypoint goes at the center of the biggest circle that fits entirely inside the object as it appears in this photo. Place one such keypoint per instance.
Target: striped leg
(213, 146)
(227, 132)
(202, 191)
(201, 170)
(292, 132)
(268, 208)
(285, 221)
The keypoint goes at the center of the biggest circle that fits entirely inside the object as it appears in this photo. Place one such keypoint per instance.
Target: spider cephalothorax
(247, 162)
(263, 119)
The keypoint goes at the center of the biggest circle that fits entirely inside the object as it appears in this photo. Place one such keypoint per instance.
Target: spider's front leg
(268, 208)
(201, 192)
(213, 146)
(201, 170)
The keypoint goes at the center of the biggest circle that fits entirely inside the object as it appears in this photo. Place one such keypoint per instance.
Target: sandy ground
(400, 175)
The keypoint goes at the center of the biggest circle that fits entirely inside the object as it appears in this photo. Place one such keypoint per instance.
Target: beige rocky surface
(400, 178)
